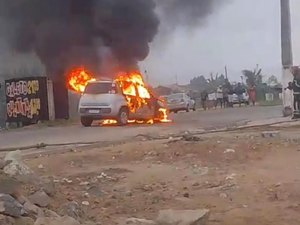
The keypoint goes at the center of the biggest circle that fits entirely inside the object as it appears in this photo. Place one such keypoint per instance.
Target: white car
(180, 102)
(103, 100)
(244, 100)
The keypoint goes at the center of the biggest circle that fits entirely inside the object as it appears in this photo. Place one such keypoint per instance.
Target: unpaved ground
(257, 183)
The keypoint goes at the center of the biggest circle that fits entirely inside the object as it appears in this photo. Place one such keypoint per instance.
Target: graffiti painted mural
(26, 100)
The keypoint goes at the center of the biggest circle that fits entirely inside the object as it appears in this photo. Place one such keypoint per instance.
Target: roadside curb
(253, 124)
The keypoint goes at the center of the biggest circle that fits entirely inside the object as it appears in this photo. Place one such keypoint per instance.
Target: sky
(240, 35)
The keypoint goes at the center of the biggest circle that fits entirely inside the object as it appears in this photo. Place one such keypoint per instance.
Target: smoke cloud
(65, 33)
(187, 13)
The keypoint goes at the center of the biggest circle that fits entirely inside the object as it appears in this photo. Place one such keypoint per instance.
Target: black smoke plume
(65, 33)
(186, 13)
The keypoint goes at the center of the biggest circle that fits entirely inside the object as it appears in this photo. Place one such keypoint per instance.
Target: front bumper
(97, 113)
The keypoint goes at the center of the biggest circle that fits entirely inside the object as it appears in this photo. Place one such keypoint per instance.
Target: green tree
(199, 83)
(253, 77)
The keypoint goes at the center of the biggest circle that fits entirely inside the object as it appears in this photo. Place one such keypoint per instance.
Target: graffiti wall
(26, 100)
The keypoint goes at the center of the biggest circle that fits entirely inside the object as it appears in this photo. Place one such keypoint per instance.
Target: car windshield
(175, 96)
(100, 88)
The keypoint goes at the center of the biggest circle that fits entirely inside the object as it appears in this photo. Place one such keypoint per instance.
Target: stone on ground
(40, 198)
(15, 165)
(183, 217)
(32, 210)
(10, 207)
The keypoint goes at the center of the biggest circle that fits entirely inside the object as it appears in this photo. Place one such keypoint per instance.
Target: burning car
(120, 101)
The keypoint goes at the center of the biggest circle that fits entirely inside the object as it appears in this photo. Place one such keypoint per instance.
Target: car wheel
(194, 108)
(123, 117)
(86, 122)
(187, 108)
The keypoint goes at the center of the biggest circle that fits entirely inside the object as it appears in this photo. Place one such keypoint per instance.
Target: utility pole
(286, 46)
(226, 73)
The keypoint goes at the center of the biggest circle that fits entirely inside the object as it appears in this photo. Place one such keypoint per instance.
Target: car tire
(123, 116)
(187, 108)
(86, 121)
(194, 108)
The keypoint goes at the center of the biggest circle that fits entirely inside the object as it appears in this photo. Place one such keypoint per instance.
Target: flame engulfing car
(105, 100)
(121, 100)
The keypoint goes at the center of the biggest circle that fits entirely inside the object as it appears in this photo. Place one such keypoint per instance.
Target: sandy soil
(241, 177)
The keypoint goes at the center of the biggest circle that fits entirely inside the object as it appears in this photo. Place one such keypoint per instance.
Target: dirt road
(182, 122)
(241, 177)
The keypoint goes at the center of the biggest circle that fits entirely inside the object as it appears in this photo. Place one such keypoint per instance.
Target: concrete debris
(66, 220)
(10, 207)
(270, 134)
(229, 151)
(72, 209)
(183, 217)
(40, 198)
(15, 165)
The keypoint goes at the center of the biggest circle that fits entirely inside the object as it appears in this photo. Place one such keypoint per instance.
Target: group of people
(224, 96)
(292, 94)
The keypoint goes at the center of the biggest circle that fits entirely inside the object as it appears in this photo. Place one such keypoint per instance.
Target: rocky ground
(248, 176)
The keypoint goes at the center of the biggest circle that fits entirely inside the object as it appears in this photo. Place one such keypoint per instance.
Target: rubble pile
(35, 208)
(18, 206)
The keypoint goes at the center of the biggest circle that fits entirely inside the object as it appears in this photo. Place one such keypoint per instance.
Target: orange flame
(132, 85)
(78, 79)
(164, 118)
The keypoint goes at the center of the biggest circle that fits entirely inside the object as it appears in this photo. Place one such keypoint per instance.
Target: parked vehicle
(243, 100)
(180, 102)
(104, 100)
